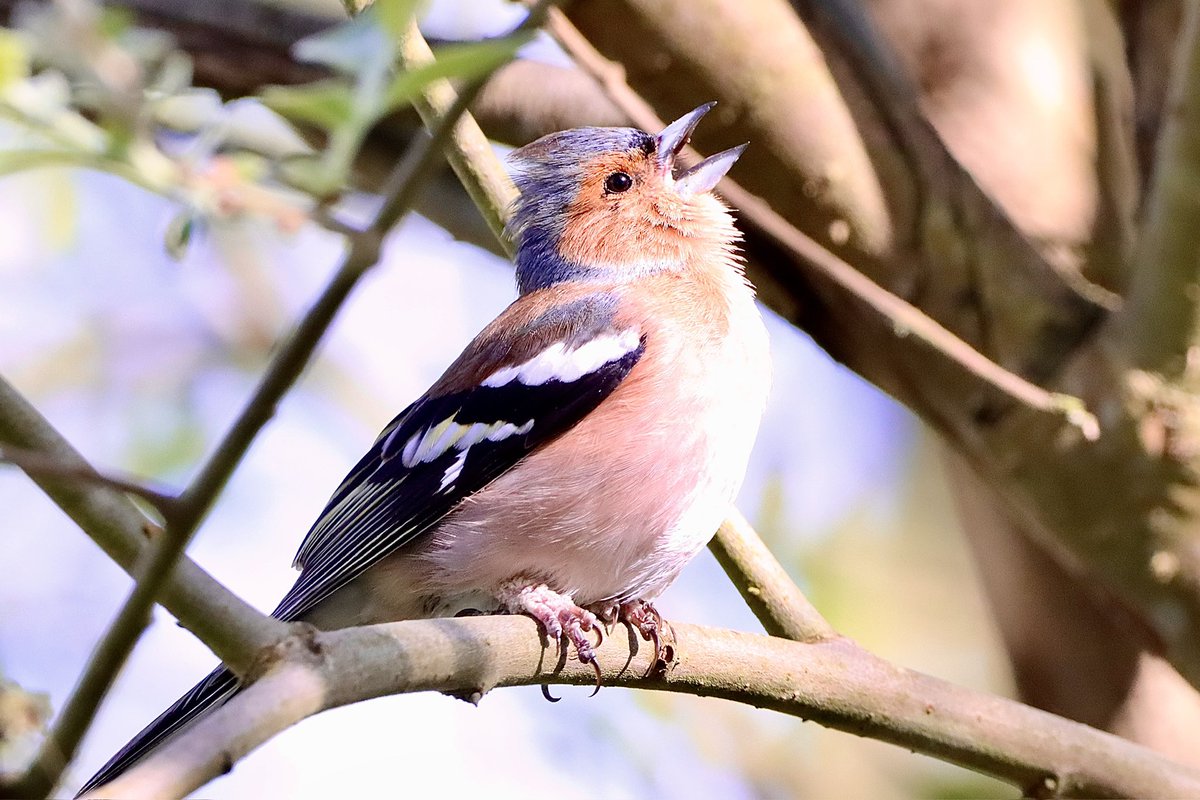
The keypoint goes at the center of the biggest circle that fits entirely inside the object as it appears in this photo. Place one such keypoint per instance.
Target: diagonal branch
(833, 682)
(35, 463)
(906, 319)
(765, 585)
(232, 628)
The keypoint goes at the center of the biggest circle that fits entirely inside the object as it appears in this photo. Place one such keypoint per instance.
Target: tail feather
(219, 686)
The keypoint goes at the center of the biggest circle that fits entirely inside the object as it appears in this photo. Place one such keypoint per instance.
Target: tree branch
(1163, 314)
(833, 682)
(470, 153)
(34, 463)
(228, 625)
(765, 585)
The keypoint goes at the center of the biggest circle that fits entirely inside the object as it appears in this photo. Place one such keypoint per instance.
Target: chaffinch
(588, 442)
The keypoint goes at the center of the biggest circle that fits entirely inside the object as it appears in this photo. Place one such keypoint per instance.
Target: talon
(546, 693)
(599, 677)
(563, 621)
(643, 617)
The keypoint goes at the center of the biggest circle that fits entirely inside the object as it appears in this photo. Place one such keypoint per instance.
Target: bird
(584, 446)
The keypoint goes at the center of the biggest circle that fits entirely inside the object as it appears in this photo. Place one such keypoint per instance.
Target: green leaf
(188, 111)
(252, 126)
(463, 61)
(326, 104)
(313, 176)
(352, 48)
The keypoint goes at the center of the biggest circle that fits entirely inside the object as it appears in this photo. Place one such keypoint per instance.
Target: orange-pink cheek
(598, 232)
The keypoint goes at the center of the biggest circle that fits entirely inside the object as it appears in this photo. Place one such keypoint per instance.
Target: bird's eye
(618, 182)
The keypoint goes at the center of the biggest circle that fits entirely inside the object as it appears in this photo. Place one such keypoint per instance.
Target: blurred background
(141, 360)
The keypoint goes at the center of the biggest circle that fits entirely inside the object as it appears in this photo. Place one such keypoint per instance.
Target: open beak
(704, 176)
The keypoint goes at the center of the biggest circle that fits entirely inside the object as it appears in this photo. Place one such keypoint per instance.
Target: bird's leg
(643, 617)
(607, 612)
(559, 617)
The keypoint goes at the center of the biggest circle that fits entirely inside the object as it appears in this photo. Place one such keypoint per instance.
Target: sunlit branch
(831, 682)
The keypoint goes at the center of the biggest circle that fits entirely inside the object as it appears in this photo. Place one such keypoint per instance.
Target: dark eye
(618, 182)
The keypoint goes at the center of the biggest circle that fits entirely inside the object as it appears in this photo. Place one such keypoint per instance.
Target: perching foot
(644, 618)
(559, 617)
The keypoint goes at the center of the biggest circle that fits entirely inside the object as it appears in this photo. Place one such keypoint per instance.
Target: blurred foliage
(86, 88)
(23, 717)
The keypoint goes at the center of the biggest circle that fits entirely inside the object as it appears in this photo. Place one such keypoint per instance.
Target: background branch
(907, 320)
(1163, 314)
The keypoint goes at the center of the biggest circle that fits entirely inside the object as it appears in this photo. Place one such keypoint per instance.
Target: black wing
(437, 452)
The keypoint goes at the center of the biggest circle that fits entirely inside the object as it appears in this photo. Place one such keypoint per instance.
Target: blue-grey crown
(547, 173)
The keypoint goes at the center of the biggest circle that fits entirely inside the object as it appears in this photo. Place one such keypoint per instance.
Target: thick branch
(907, 319)
(832, 682)
(1164, 304)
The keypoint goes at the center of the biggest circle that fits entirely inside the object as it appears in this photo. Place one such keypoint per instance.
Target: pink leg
(558, 615)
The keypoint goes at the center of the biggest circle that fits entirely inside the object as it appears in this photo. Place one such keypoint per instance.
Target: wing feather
(442, 449)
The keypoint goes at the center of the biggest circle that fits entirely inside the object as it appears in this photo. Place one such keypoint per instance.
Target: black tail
(206, 695)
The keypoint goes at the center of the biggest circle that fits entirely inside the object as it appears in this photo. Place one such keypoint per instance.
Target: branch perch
(834, 683)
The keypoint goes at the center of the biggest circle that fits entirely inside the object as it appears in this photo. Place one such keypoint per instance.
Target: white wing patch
(557, 363)
(453, 471)
(427, 445)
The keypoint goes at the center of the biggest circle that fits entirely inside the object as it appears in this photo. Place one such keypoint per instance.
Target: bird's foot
(560, 618)
(644, 618)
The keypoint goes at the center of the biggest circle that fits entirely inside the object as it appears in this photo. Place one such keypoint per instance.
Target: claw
(646, 620)
(563, 621)
(599, 677)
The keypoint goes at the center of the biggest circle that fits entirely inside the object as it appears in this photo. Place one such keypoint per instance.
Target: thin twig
(35, 463)
(832, 682)
(468, 152)
(230, 626)
(765, 585)
(285, 368)
(75, 718)
(906, 319)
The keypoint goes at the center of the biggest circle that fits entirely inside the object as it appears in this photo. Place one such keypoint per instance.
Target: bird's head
(611, 204)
